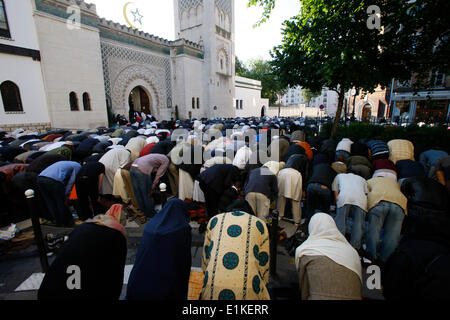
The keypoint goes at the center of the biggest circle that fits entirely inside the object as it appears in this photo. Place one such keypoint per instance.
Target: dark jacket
(329, 147)
(323, 174)
(262, 180)
(101, 147)
(44, 161)
(425, 193)
(293, 149)
(86, 146)
(417, 270)
(227, 198)
(360, 149)
(163, 147)
(220, 177)
(409, 168)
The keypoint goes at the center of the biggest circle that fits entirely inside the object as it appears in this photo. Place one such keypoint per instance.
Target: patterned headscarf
(115, 219)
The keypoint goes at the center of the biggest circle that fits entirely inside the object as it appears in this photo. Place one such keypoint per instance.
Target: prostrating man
(55, 184)
(343, 150)
(88, 183)
(261, 189)
(318, 193)
(141, 176)
(214, 181)
(386, 210)
(418, 269)
(425, 197)
(429, 160)
(351, 200)
(400, 149)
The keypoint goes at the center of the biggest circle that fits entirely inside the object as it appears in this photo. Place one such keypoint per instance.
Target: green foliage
(418, 36)
(241, 69)
(308, 94)
(263, 71)
(329, 44)
(423, 138)
(268, 6)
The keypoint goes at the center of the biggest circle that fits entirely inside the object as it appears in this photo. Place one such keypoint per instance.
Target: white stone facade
(23, 71)
(328, 98)
(86, 70)
(248, 101)
(72, 62)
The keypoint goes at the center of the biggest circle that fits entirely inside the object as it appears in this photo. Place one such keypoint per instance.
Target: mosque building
(54, 74)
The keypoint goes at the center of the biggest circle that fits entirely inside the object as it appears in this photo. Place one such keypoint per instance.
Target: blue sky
(251, 42)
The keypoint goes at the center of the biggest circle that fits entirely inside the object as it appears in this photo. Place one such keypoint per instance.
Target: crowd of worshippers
(354, 199)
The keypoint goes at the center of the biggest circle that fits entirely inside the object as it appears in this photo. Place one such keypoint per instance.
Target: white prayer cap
(152, 140)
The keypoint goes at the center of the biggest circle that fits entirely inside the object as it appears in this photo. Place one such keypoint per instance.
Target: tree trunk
(338, 112)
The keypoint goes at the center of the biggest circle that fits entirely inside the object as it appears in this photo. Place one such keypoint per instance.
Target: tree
(331, 44)
(263, 71)
(241, 69)
(308, 94)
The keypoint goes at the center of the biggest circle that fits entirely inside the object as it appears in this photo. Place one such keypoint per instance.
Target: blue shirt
(64, 172)
(431, 157)
(378, 147)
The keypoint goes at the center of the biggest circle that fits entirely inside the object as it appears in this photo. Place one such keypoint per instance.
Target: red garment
(146, 150)
(52, 137)
(308, 151)
(383, 164)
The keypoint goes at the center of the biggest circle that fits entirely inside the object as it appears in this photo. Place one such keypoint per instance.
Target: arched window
(11, 97)
(86, 102)
(73, 99)
(198, 103)
(193, 103)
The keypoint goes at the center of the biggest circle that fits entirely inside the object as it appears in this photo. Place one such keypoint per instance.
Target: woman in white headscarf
(113, 160)
(329, 267)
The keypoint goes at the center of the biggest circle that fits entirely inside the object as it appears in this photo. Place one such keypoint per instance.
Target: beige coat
(290, 184)
(320, 278)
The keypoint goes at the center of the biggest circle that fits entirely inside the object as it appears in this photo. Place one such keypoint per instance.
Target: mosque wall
(23, 69)
(72, 66)
(248, 101)
(74, 74)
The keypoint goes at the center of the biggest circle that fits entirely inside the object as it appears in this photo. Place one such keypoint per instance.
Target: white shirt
(352, 190)
(242, 157)
(344, 145)
(52, 146)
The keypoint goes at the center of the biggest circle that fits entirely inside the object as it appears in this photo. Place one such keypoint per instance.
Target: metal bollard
(163, 189)
(273, 243)
(29, 194)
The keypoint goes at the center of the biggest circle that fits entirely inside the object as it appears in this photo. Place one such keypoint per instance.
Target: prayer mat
(195, 283)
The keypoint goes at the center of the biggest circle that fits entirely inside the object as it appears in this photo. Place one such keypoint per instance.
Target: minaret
(210, 23)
